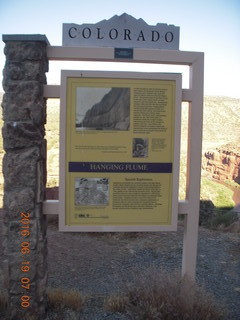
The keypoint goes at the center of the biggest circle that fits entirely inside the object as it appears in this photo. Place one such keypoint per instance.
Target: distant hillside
(221, 124)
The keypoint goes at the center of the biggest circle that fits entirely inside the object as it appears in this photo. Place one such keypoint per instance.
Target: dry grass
(58, 299)
(156, 295)
(63, 298)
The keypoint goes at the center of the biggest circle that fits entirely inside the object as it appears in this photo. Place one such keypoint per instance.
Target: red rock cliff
(223, 163)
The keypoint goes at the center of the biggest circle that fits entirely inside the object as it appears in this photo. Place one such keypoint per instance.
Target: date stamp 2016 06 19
(25, 264)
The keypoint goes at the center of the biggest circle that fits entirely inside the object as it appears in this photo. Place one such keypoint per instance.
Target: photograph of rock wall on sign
(103, 108)
(119, 151)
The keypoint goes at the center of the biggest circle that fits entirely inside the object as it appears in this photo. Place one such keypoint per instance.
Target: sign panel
(122, 32)
(120, 152)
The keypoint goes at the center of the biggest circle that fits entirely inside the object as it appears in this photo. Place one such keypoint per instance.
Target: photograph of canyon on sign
(103, 108)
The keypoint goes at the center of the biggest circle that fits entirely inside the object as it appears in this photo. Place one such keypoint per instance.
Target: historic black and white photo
(91, 191)
(140, 148)
(102, 108)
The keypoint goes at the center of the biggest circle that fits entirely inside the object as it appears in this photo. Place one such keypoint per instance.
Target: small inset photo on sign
(140, 148)
(91, 191)
(102, 108)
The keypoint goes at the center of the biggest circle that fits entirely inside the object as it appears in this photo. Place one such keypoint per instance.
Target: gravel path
(100, 264)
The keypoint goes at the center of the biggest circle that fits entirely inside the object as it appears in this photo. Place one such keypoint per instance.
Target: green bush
(206, 211)
(222, 218)
(215, 218)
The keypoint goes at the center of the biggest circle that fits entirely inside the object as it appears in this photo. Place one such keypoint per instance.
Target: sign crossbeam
(53, 91)
(52, 207)
(107, 54)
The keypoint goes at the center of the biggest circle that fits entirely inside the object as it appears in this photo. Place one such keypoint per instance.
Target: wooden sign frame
(193, 95)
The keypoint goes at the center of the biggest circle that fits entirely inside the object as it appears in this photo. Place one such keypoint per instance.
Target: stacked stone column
(24, 170)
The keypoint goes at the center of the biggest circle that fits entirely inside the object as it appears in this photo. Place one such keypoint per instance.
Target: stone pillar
(24, 170)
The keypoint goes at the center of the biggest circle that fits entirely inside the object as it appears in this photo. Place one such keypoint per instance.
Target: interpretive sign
(121, 31)
(119, 163)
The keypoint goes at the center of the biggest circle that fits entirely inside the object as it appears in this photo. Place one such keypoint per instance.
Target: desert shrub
(206, 211)
(159, 295)
(63, 298)
(215, 218)
(222, 218)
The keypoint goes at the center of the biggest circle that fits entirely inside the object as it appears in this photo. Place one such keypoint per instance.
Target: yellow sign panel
(119, 153)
